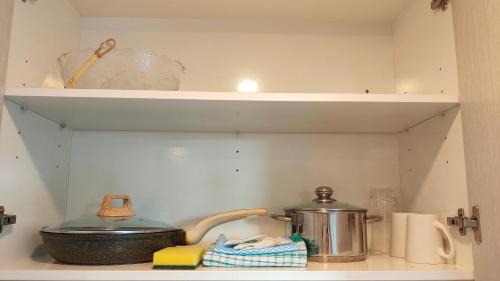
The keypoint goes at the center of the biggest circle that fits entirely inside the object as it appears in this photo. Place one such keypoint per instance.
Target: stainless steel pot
(333, 231)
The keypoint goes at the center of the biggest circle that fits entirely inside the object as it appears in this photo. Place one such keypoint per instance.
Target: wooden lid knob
(107, 209)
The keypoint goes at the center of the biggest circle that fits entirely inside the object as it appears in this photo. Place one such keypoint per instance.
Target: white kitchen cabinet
(356, 96)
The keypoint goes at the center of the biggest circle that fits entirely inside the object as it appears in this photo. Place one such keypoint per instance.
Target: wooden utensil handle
(79, 73)
(103, 49)
(107, 209)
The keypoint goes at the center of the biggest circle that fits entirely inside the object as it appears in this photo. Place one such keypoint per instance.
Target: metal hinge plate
(463, 222)
(6, 219)
(439, 5)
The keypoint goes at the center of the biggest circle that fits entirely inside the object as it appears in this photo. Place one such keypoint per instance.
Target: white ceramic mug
(398, 234)
(424, 240)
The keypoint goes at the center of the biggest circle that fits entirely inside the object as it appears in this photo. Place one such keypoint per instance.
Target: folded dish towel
(296, 256)
(256, 246)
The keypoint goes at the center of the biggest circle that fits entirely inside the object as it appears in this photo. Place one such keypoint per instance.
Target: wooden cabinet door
(477, 35)
(6, 10)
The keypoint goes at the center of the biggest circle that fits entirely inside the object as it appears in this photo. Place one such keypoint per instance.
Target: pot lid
(112, 220)
(325, 202)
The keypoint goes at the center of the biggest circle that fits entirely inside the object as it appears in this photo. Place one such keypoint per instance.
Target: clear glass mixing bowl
(125, 69)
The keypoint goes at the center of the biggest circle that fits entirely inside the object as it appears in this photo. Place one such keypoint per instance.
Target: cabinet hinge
(463, 222)
(6, 219)
(439, 5)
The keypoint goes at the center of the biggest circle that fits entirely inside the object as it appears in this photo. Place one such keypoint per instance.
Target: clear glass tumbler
(383, 202)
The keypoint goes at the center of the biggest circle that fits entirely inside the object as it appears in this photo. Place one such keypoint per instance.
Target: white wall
(182, 177)
(41, 32)
(281, 56)
(424, 51)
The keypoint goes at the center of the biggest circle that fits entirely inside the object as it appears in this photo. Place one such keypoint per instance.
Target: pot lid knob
(324, 194)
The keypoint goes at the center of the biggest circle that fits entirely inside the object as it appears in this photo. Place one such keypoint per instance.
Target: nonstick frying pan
(116, 236)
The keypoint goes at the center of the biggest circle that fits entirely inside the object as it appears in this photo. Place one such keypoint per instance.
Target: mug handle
(440, 250)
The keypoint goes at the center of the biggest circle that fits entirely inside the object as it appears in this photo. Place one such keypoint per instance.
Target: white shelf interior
(231, 112)
(384, 48)
(377, 267)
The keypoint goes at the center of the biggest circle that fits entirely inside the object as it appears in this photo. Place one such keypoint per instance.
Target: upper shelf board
(380, 11)
(127, 110)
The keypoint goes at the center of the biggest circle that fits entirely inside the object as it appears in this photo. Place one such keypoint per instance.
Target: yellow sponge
(180, 257)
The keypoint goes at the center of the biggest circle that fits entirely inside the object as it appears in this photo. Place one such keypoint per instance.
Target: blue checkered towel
(297, 258)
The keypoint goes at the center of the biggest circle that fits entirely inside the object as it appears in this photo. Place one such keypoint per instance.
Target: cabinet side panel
(41, 32)
(6, 10)
(477, 29)
(34, 166)
(433, 174)
(424, 51)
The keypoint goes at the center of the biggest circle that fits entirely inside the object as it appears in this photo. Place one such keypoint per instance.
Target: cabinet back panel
(281, 56)
(182, 177)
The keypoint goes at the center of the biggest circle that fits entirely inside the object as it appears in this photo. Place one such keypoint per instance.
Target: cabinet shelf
(132, 110)
(379, 267)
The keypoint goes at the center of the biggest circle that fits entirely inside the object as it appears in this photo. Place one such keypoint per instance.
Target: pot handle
(281, 218)
(107, 209)
(194, 235)
(373, 218)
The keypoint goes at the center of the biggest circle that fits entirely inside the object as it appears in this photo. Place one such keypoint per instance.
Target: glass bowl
(125, 69)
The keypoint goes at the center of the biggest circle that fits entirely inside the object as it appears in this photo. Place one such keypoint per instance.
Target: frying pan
(116, 236)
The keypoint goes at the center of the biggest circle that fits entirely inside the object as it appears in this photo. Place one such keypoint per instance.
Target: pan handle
(194, 235)
(281, 218)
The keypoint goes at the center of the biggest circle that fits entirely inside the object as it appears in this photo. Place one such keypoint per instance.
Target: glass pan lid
(119, 225)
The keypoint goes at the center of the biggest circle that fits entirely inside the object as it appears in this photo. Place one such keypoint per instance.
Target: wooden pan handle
(107, 209)
(194, 236)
